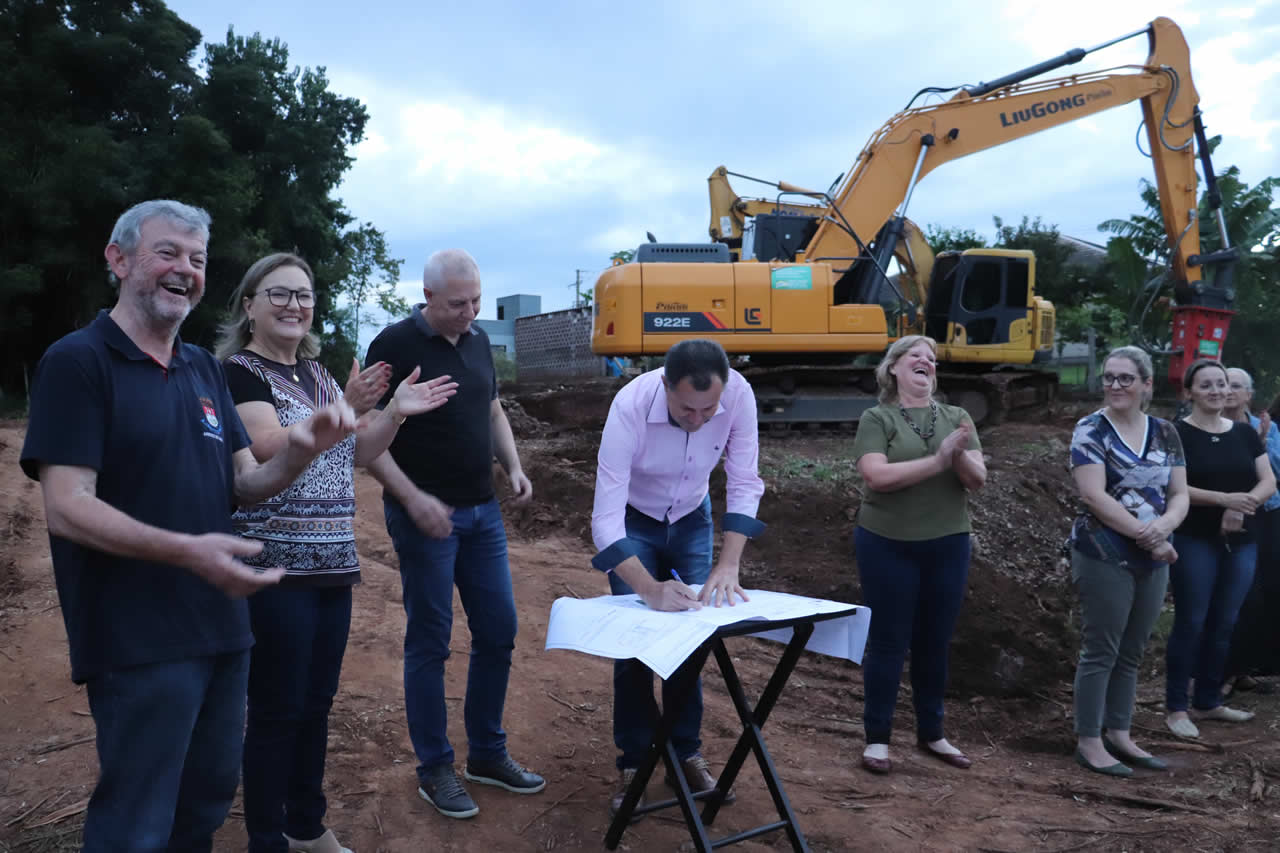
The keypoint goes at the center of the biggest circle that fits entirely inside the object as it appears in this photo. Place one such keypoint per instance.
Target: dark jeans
(685, 547)
(474, 557)
(914, 590)
(1209, 582)
(1255, 643)
(169, 740)
(300, 635)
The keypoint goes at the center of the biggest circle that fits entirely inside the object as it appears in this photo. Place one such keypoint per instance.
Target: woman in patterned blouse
(300, 626)
(1132, 478)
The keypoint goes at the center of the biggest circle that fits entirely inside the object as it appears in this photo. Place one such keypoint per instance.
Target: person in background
(1129, 469)
(920, 459)
(666, 432)
(446, 524)
(141, 455)
(1228, 477)
(300, 627)
(1255, 643)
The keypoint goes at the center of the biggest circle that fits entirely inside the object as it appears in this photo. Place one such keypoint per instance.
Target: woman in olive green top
(919, 459)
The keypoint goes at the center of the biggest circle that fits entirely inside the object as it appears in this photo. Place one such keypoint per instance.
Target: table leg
(685, 678)
(752, 739)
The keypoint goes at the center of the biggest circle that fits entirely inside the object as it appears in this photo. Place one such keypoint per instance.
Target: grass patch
(1073, 374)
(1163, 628)
(795, 467)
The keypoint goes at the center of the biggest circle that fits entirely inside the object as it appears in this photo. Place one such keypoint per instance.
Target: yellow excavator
(818, 291)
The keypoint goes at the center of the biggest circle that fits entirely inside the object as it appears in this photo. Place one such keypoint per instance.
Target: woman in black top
(1228, 478)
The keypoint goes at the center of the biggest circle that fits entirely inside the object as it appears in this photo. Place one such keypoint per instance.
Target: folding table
(753, 719)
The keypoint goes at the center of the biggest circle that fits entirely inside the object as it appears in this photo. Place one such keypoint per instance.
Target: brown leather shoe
(624, 782)
(697, 773)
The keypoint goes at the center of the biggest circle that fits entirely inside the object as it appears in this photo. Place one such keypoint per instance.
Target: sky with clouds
(542, 137)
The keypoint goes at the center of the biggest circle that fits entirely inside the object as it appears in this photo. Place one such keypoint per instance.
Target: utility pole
(577, 288)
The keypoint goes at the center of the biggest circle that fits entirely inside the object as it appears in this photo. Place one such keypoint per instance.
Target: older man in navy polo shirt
(140, 456)
(445, 522)
(666, 431)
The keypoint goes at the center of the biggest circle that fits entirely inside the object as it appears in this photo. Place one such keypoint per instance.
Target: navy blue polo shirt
(448, 452)
(161, 439)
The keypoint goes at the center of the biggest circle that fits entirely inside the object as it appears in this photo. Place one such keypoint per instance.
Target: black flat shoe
(1149, 762)
(959, 759)
(878, 766)
(1117, 769)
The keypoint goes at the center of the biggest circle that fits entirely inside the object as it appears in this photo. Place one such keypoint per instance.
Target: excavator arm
(730, 212)
(865, 218)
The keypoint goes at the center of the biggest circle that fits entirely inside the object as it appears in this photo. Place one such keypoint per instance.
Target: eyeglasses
(281, 296)
(1124, 380)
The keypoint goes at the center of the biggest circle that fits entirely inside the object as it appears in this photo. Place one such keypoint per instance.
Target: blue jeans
(1209, 582)
(474, 557)
(685, 547)
(914, 590)
(300, 635)
(169, 740)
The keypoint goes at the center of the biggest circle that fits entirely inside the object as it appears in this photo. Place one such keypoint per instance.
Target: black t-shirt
(449, 452)
(1220, 462)
(161, 440)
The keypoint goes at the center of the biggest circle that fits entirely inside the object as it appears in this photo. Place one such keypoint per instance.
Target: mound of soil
(1015, 633)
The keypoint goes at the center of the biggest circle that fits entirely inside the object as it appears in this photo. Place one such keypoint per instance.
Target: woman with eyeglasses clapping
(1129, 469)
(1229, 476)
(300, 626)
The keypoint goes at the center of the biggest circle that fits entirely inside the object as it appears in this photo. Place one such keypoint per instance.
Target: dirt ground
(1009, 703)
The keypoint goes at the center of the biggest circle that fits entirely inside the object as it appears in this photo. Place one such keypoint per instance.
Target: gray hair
(128, 229)
(1248, 380)
(235, 334)
(446, 264)
(1141, 360)
(884, 370)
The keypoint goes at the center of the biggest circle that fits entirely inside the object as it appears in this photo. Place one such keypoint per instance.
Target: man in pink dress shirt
(666, 431)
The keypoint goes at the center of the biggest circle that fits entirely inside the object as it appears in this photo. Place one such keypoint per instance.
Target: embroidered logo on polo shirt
(210, 419)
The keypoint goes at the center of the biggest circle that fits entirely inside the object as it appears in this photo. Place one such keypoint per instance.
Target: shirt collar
(420, 320)
(116, 338)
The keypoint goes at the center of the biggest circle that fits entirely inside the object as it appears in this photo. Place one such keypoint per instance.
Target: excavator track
(833, 396)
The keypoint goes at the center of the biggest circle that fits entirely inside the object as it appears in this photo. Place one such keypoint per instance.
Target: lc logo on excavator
(751, 316)
(1040, 109)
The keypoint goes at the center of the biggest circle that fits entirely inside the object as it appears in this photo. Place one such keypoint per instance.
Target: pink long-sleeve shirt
(662, 470)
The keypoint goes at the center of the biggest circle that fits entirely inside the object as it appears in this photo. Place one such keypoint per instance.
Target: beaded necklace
(927, 433)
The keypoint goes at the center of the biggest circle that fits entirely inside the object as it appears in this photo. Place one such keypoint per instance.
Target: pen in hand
(687, 593)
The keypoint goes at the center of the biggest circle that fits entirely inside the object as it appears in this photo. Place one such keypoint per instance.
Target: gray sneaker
(443, 789)
(504, 773)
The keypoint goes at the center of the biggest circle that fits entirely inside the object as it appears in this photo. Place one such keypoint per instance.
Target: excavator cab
(982, 306)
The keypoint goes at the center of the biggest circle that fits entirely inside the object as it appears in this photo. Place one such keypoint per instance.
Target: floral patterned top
(1138, 478)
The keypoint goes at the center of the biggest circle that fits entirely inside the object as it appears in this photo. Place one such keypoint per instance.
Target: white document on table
(623, 626)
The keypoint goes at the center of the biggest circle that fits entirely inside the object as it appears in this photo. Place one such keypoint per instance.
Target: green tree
(103, 108)
(943, 239)
(623, 256)
(90, 91)
(293, 134)
(368, 278)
